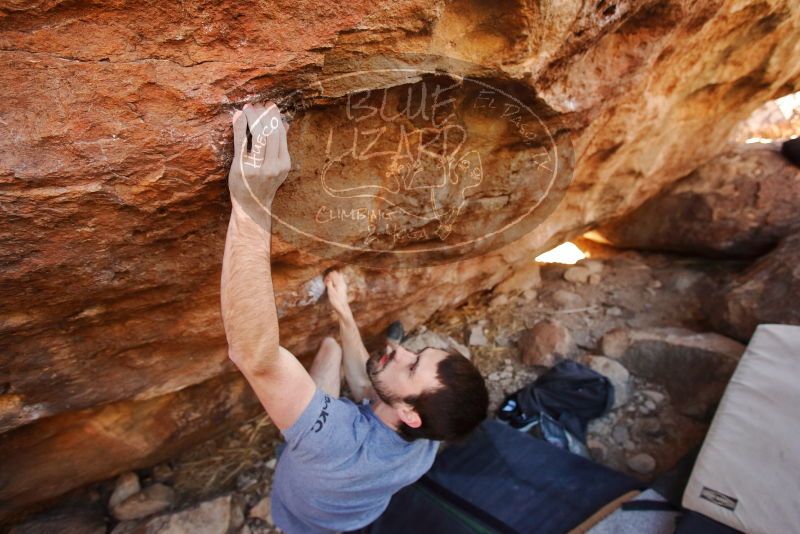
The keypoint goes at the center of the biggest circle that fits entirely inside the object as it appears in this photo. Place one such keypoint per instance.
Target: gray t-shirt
(340, 467)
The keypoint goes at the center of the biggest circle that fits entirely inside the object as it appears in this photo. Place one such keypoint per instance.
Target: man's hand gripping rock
(260, 161)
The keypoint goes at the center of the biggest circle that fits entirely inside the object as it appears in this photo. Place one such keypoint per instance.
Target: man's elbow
(248, 365)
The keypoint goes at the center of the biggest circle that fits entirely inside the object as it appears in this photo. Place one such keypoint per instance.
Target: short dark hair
(453, 410)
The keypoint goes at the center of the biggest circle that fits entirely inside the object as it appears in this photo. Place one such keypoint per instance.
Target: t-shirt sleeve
(326, 427)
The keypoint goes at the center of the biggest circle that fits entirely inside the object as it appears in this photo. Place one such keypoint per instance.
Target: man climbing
(342, 461)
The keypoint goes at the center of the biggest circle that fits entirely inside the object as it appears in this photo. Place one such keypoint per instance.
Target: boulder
(694, 367)
(545, 343)
(149, 501)
(163, 472)
(615, 372)
(429, 338)
(210, 517)
(594, 266)
(577, 275)
(565, 299)
(127, 484)
(738, 204)
(766, 292)
(114, 193)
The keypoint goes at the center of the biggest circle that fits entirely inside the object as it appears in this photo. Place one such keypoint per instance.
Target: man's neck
(386, 413)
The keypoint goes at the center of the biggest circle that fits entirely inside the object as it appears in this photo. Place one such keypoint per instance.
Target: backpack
(558, 405)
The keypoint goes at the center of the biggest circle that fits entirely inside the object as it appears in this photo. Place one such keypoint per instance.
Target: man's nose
(403, 355)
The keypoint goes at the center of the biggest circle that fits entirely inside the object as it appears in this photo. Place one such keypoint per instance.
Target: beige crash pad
(747, 474)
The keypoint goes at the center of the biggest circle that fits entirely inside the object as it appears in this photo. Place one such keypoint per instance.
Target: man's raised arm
(281, 383)
(355, 354)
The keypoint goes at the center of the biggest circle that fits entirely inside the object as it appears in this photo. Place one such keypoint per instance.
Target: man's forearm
(248, 301)
(355, 357)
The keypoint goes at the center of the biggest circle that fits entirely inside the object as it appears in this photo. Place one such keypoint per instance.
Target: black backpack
(565, 398)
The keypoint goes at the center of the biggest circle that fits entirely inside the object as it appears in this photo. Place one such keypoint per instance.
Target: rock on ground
(262, 510)
(767, 292)
(694, 367)
(210, 517)
(477, 337)
(594, 266)
(545, 344)
(615, 372)
(739, 204)
(429, 338)
(149, 501)
(127, 484)
(642, 463)
(564, 299)
(577, 275)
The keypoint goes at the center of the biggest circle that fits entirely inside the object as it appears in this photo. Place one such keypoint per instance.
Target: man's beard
(373, 372)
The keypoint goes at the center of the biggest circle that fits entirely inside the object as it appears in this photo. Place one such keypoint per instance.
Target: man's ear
(409, 415)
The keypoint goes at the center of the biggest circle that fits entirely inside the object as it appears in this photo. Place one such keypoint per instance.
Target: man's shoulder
(328, 423)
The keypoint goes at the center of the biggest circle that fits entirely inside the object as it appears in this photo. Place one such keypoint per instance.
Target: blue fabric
(526, 485)
(341, 466)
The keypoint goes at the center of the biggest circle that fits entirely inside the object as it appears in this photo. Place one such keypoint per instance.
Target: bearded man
(343, 460)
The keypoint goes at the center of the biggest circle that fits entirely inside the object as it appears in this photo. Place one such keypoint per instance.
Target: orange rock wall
(116, 147)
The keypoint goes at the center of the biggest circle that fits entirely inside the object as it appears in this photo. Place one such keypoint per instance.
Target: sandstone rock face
(524, 277)
(89, 444)
(113, 189)
(765, 293)
(83, 520)
(739, 204)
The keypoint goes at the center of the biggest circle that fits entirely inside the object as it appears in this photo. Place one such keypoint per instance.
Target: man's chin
(372, 364)
(377, 387)
(382, 396)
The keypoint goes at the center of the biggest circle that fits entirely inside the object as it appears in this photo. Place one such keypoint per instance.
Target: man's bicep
(284, 391)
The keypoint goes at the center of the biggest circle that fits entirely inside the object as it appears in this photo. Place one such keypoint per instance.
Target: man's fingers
(254, 116)
(239, 133)
(255, 122)
(266, 128)
(273, 134)
(283, 149)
